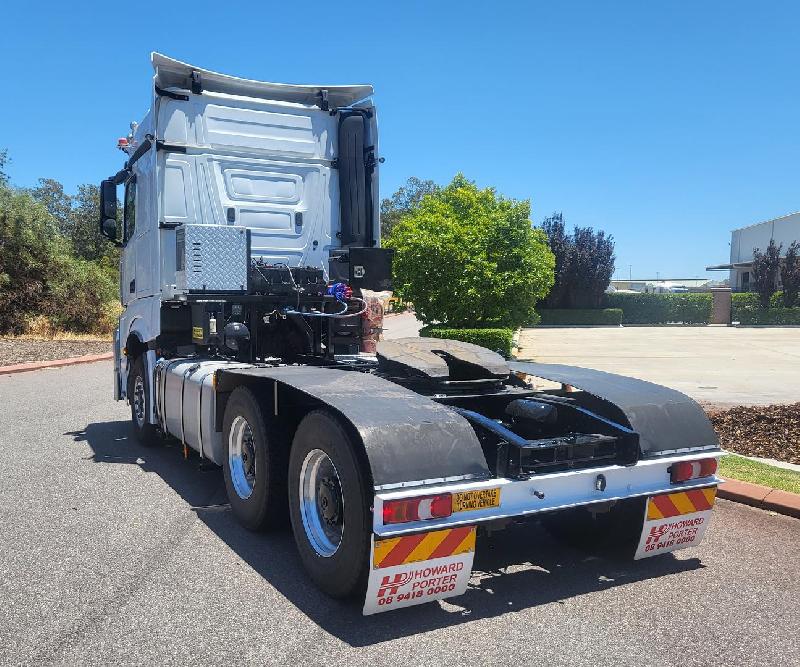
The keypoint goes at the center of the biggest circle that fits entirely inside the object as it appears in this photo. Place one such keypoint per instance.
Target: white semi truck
(250, 243)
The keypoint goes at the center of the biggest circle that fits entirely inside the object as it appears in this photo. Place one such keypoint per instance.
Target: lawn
(747, 470)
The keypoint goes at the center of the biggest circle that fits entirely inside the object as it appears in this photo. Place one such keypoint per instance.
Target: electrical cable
(341, 314)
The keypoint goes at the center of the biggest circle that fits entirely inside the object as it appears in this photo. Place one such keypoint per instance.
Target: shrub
(746, 309)
(572, 316)
(752, 300)
(467, 257)
(773, 316)
(662, 308)
(497, 340)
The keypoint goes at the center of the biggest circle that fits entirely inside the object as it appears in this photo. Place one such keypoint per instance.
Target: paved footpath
(111, 553)
(720, 365)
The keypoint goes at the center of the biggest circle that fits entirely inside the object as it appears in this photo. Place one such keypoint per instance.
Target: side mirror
(108, 209)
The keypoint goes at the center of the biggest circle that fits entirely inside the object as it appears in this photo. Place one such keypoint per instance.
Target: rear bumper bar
(549, 492)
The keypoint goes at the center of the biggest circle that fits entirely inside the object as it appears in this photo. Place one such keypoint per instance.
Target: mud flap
(675, 521)
(414, 569)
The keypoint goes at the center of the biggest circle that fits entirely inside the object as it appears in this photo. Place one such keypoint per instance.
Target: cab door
(128, 273)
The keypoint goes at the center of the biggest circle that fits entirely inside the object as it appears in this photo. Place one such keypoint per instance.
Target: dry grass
(61, 335)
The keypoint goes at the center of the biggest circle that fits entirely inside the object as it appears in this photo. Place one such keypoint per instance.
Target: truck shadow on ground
(515, 569)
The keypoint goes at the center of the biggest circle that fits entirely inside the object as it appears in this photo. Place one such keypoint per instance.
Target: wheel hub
(321, 503)
(329, 494)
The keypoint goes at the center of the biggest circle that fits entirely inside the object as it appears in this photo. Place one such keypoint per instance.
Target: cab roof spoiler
(171, 74)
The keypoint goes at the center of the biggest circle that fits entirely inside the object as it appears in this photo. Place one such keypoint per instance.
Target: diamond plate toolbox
(212, 258)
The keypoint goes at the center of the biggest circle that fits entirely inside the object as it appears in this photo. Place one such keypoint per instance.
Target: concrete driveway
(718, 365)
(116, 554)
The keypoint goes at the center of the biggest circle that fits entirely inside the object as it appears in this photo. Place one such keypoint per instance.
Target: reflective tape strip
(681, 502)
(423, 546)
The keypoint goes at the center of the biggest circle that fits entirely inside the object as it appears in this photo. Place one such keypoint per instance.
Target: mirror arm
(145, 146)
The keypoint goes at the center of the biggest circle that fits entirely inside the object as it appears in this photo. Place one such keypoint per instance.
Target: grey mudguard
(665, 419)
(407, 437)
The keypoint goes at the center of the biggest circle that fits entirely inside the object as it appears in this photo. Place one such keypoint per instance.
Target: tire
(322, 443)
(617, 529)
(256, 489)
(139, 398)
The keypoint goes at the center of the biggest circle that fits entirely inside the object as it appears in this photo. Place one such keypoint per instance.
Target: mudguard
(665, 419)
(407, 437)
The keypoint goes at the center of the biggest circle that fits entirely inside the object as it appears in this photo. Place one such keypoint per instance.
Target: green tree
(50, 193)
(584, 264)
(790, 274)
(402, 202)
(765, 271)
(561, 245)
(77, 218)
(3, 162)
(84, 235)
(468, 257)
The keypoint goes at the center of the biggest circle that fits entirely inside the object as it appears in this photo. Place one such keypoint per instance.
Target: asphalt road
(115, 554)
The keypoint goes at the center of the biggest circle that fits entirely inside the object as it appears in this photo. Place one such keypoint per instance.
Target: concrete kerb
(763, 497)
(54, 363)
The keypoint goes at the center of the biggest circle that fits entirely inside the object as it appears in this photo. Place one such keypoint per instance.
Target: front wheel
(139, 398)
(329, 506)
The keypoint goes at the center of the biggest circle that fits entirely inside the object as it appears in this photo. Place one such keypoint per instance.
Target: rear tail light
(422, 508)
(708, 467)
(686, 470)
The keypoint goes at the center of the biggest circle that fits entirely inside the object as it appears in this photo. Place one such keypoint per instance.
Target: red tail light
(405, 510)
(686, 470)
(708, 467)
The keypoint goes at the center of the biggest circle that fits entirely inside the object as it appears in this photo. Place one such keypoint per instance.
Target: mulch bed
(769, 431)
(22, 350)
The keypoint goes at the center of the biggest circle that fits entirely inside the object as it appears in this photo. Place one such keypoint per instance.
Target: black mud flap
(407, 437)
(665, 419)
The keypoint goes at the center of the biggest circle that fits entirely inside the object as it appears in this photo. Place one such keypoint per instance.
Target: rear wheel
(618, 528)
(329, 505)
(139, 398)
(255, 464)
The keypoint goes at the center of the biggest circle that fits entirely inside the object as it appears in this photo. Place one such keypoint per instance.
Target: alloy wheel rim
(242, 457)
(321, 503)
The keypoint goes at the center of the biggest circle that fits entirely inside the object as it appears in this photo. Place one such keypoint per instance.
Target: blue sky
(666, 124)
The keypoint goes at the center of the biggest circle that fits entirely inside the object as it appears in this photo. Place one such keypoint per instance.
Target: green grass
(746, 470)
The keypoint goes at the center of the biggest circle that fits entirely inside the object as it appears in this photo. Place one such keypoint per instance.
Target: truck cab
(224, 174)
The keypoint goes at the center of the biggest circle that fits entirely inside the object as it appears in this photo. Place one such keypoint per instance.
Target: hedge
(746, 309)
(750, 300)
(661, 308)
(498, 340)
(574, 316)
(768, 316)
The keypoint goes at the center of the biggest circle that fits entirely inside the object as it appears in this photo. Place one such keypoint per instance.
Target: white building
(744, 241)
